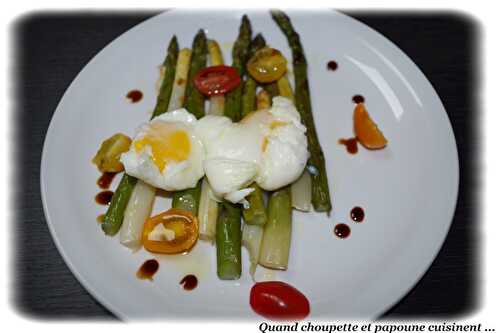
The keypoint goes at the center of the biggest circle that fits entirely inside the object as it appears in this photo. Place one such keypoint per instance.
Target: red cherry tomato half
(216, 80)
(278, 300)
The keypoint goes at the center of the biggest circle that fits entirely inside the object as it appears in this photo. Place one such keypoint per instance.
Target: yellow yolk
(265, 142)
(277, 123)
(168, 144)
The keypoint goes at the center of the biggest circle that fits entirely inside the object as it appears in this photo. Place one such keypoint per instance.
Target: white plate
(408, 190)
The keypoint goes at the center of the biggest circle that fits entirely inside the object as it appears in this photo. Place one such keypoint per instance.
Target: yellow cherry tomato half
(267, 65)
(170, 232)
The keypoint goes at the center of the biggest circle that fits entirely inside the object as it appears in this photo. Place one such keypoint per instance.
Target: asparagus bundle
(113, 218)
(228, 229)
(316, 164)
(141, 201)
(189, 199)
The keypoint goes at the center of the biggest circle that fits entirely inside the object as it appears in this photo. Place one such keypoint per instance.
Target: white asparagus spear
(180, 80)
(216, 102)
(301, 188)
(138, 210)
(208, 209)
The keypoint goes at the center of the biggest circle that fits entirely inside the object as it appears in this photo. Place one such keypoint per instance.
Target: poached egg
(174, 150)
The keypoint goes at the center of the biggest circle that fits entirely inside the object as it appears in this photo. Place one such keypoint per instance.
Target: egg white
(238, 154)
(176, 175)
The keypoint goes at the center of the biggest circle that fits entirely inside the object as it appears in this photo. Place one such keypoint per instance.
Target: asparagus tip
(201, 32)
(173, 45)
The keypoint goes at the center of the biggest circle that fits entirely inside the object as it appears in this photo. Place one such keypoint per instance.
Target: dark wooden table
(51, 49)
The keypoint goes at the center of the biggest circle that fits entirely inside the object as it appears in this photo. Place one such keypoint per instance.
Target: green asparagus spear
(275, 246)
(256, 212)
(248, 98)
(188, 199)
(195, 103)
(228, 229)
(316, 164)
(252, 234)
(166, 86)
(272, 89)
(228, 241)
(232, 107)
(114, 215)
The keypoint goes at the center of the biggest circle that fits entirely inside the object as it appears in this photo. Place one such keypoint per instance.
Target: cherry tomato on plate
(267, 65)
(279, 301)
(216, 80)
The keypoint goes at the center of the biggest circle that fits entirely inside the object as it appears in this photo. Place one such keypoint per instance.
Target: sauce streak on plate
(342, 230)
(351, 145)
(358, 99)
(357, 214)
(332, 65)
(189, 282)
(134, 95)
(104, 197)
(105, 180)
(148, 269)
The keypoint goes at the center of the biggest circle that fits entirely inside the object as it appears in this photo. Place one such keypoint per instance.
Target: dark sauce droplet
(105, 180)
(104, 197)
(134, 95)
(351, 145)
(100, 218)
(332, 65)
(357, 214)
(358, 99)
(148, 269)
(189, 282)
(342, 230)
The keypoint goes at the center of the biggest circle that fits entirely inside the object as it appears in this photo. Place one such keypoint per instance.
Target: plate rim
(385, 40)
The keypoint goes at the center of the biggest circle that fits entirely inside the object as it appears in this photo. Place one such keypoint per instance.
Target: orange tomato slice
(366, 130)
(178, 233)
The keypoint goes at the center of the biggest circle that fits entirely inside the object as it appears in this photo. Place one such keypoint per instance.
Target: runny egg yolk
(275, 124)
(168, 144)
(278, 123)
(265, 142)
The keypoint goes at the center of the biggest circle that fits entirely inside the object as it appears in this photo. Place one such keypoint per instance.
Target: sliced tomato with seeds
(217, 80)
